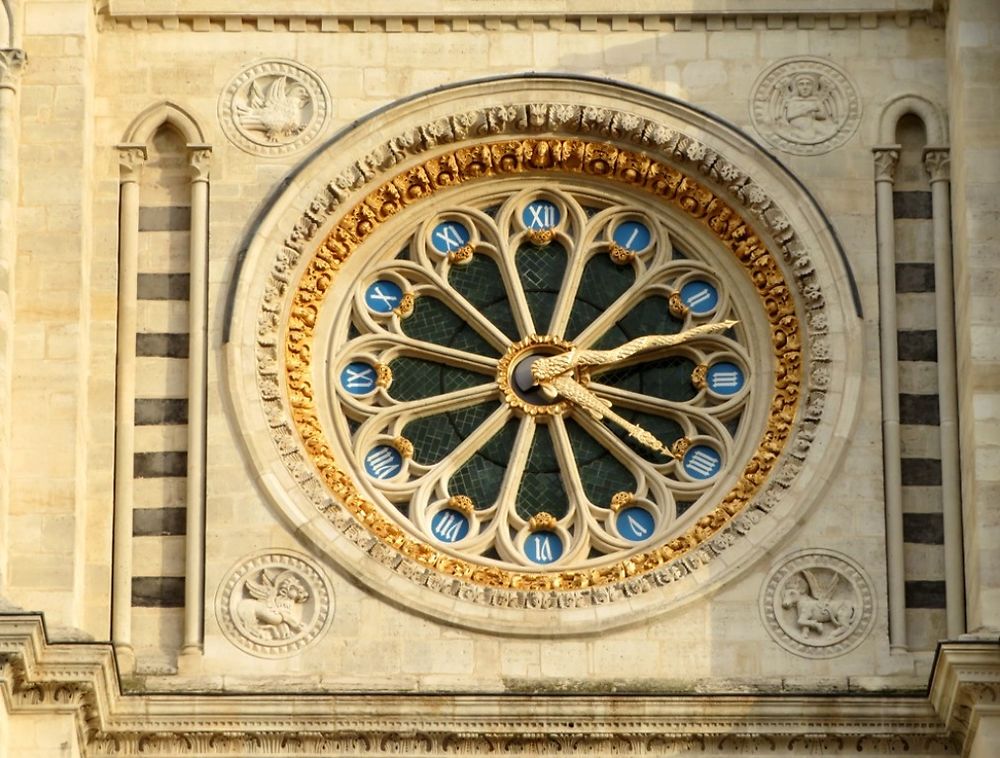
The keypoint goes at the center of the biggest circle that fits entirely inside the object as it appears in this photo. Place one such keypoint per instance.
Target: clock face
(542, 376)
(540, 361)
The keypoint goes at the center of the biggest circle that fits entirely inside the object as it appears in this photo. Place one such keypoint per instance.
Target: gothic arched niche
(524, 347)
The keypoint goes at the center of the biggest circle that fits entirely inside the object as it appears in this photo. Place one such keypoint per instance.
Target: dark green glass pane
(480, 282)
(664, 429)
(668, 378)
(733, 424)
(433, 321)
(649, 316)
(541, 484)
(541, 271)
(482, 475)
(435, 436)
(601, 473)
(416, 379)
(601, 283)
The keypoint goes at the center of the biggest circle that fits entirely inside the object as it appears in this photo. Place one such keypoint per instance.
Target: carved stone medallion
(804, 106)
(274, 107)
(818, 604)
(274, 603)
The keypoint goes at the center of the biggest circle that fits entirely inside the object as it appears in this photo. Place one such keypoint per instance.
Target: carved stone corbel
(937, 164)
(130, 160)
(12, 64)
(886, 159)
(200, 161)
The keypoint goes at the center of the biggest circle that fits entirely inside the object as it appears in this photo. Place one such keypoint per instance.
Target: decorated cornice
(965, 686)
(39, 677)
(386, 16)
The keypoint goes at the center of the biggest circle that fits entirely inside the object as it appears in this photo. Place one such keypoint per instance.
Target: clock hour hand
(600, 408)
(554, 365)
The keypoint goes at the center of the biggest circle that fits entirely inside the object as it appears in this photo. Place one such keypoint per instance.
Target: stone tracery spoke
(387, 347)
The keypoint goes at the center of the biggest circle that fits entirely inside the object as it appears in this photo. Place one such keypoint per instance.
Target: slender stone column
(937, 162)
(12, 63)
(131, 158)
(194, 544)
(886, 158)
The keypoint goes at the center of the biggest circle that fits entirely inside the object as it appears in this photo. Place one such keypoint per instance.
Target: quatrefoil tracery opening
(486, 469)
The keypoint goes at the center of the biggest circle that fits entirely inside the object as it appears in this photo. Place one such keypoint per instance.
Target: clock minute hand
(600, 408)
(552, 366)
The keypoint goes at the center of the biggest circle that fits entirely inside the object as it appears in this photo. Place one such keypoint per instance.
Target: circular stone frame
(288, 632)
(347, 188)
(307, 81)
(850, 615)
(765, 99)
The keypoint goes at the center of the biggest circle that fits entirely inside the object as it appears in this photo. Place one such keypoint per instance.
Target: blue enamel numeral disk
(635, 524)
(382, 296)
(725, 378)
(632, 235)
(450, 525)
(543, 547)
(358, 378)
(702, 462)
(700, 296)
(383, 462)
(449, 236)
(540, 215)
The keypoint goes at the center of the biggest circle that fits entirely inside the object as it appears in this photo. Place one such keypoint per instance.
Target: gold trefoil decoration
(523, 157)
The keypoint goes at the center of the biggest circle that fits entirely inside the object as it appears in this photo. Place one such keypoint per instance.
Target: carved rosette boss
(274, 603)
(804, 106)
(818, 604)
(274, 107)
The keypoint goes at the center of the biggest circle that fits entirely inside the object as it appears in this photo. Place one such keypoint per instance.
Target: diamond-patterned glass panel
(649, 316)
(417, 379)
(668, 378)
(435, 436)
(433, 321)
(481, 477)
(541, 271)
(664, 429)
(480, 282)
(601, 283)
(601, 473)
(541, 487)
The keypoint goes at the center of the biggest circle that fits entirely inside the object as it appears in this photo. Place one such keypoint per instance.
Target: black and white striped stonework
(920, 439)
(161, 404)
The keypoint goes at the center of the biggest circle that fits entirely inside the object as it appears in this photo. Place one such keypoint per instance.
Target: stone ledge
(385, 16)
(37, 676)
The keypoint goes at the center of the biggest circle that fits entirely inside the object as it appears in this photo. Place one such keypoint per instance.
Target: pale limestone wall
(89, 78)
(973, 58)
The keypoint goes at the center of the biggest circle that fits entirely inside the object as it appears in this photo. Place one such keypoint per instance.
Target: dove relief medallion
(818, 604)
(274, 107)
(274, 603)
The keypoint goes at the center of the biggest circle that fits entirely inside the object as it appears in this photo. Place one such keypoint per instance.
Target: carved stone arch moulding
(707, 181)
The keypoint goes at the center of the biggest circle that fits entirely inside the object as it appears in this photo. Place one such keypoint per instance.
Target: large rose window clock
(524, 374)
(543, 376)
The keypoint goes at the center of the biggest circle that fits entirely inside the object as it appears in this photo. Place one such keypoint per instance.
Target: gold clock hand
(600, 408)
(552, 366)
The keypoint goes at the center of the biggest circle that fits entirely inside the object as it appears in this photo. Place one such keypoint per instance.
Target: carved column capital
(886, 158)
(130, 160)
(200, 161)
(12, 64)
(937, 163)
